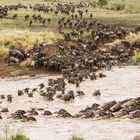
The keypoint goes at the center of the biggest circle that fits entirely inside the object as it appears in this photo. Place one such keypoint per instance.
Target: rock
(136, 137)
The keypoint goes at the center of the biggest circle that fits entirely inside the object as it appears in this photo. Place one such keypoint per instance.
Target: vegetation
(132, 38)
(20, 136)
(76, 138)
(127, 8)
(118, 6)
(26, 63)
(132, 8)
(10, 39)
(102, 3)
(8, 134)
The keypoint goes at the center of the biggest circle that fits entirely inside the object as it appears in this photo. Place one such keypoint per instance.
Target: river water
(120, 83)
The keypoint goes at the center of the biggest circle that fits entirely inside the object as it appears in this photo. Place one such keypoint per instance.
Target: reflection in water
(120, 83)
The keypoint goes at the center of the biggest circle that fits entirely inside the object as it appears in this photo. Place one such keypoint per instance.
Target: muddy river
(120, 83)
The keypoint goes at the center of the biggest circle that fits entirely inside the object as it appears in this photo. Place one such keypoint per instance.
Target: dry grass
(129, 6)
(26, 63)
(132, 37)
(132, 8)
(136, 57)
(10, 39)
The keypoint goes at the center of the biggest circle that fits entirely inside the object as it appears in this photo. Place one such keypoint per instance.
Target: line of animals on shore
(86, 55)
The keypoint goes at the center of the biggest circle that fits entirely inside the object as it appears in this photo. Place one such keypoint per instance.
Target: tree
(102, 3)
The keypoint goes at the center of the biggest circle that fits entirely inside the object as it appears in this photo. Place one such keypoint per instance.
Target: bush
(76, 138)
(117, 6)
(102, 3)
(20, 137)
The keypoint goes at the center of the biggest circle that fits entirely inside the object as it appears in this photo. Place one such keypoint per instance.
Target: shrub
(102, 3)
(20, 136)
(76, 138)
(117, 6)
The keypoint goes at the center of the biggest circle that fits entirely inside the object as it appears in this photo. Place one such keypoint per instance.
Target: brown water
(120, 83)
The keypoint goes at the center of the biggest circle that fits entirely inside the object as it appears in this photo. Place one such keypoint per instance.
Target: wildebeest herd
(77, 62)
(69, 10)
(78, 59)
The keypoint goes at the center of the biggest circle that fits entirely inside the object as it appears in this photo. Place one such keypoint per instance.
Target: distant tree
(102, 3)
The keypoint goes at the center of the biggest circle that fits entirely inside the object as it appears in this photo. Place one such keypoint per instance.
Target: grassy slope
(107, 16)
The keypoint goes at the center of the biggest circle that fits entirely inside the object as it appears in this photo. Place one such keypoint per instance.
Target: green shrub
(76, 138)
(20, 137)
(102, 3)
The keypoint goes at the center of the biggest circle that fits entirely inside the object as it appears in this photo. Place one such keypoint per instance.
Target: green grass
(124, 17)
